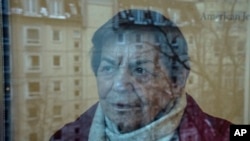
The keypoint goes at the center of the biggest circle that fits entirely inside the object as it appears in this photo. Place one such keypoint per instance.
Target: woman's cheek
(104, 87)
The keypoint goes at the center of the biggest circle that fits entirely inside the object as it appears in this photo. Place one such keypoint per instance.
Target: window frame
(60, 35)
(32, 42)
(31, 94)
(56, 9)
(31, 7)
(54, 64)
(57, 84)
(29, 67)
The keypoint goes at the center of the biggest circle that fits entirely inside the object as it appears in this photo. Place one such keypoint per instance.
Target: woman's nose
(123, 82)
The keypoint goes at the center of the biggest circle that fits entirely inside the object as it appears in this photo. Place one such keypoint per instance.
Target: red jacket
(195, 126)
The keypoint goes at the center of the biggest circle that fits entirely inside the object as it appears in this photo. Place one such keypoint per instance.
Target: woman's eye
(107, 69)
(139, 71)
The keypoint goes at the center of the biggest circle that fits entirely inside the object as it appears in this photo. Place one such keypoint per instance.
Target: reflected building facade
(52, 82)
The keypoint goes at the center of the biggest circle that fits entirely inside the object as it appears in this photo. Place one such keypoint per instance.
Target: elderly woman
(141, 64)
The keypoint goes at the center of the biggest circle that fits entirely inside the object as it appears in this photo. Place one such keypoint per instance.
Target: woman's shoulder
(199, 125)
(78, 129)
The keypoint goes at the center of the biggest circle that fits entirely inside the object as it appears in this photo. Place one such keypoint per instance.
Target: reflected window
(77, 106)
(76, 44)
(241, 46)
(175, 15)
(158, 18)
(33, 137)
(76, 69)
(33, 62)
(138, 38)
(56, 35)
(34, 88)
(77, 82)
(190, 80)
(76, 34)
(57, 86)
(157, 38)
(57, 61)
(56, 8)
(228, 82)
(121, 38)
(139, 17)
(57, 110)
(139, 46)
(217, 50)
(77, 92)
(76, 58)
(31, 7)
(191, 39)
(73, 9)
(32, 36)
(32, 112)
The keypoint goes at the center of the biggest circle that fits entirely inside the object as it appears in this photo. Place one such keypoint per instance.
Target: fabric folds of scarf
(162, 129)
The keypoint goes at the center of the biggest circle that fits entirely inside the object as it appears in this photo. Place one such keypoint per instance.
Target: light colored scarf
(163, 129)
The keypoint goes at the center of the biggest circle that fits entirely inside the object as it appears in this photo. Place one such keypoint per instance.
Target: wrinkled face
(133, 84)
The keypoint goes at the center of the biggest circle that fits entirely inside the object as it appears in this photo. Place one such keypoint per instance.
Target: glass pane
(147, 57)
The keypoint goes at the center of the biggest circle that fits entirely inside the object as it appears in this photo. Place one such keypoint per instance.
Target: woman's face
(133, 84)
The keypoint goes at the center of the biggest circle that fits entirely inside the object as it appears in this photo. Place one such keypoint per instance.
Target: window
(31, 7)
(57, 110)
(138, 38)
(139, 46)
(56, 86)
(56, 35)
(175, 15)
(76, 44)
(33, 137)
(77, 106)
(240, 46)
(191, 39)
(191, 79)
(33, 112)
(139, 17)
(120, 38)
(32, 36)
(56, 61)
(33, 62)
(157, 38)
(77, 82)
(76, 34)
(228, 82)
(77, 92)
(34, 88)
(56, 8)
(217, 50)
(76, 69)
(76, 58)
(158, 19)
(73, 9)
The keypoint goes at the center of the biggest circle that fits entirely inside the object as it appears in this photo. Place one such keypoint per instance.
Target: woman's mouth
(126, 106)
